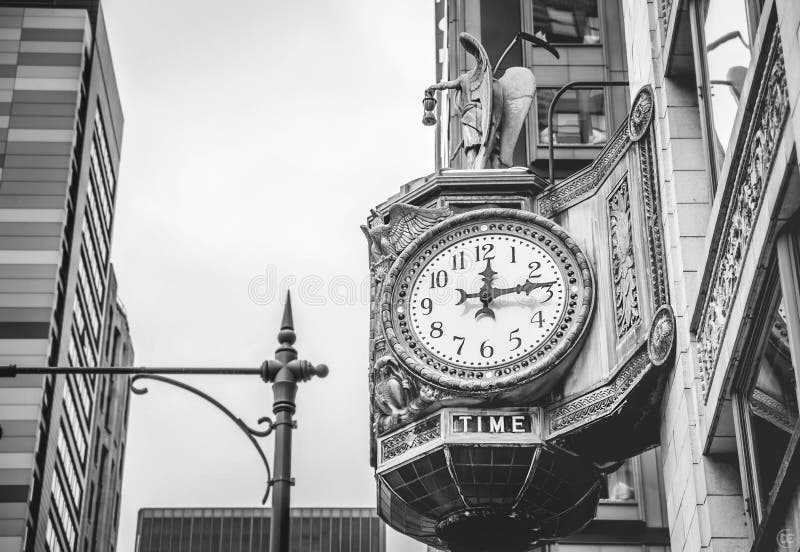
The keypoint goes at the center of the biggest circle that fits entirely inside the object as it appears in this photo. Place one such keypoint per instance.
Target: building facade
(247, 529)
(683, 188)
(61, 132)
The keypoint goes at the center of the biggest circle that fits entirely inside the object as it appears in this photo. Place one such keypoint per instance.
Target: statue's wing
(519, 87)
(406, 222)
(480, 85)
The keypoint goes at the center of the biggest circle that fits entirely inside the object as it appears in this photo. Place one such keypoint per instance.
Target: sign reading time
(491, 423)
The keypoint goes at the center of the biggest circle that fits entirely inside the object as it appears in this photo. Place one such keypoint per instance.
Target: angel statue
(492, 110)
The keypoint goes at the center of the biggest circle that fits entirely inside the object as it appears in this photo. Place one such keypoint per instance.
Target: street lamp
(284, 372)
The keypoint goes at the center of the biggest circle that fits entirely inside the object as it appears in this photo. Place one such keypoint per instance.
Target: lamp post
(284, 372)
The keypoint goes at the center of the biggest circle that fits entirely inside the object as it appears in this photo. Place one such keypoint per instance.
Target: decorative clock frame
(550, 353)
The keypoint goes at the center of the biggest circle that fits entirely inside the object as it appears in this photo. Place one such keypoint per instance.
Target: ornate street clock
(487, 301)
(508, 374)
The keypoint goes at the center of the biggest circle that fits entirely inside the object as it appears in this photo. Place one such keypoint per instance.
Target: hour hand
(463, 296)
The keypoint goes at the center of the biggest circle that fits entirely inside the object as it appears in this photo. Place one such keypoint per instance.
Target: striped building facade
(60, 132)
(247, 530)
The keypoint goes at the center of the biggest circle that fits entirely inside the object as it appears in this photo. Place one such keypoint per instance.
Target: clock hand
(486, 293)
(525, 288)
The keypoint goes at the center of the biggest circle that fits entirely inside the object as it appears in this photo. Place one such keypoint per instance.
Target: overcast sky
(257, 136)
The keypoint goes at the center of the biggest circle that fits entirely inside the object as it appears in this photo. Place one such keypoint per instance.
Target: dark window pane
(578, 118)
(567, 21)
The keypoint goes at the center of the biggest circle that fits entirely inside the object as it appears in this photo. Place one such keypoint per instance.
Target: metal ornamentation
(250, 432)
(387, 240)
(665, 13)
(398, 399)
(652, 214)
(740, 215)
(603, 400)
(415, 347)
(623, 269)
(586, 182)
(599, 402)
(774, 411)
(641, 113)
(661, 340)
(408, 439)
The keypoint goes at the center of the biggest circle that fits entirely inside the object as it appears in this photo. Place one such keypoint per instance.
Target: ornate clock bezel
(558, 345)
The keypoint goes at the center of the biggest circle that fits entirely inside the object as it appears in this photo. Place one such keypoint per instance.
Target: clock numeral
(534, 266)
(512, 337)
(436, 330)
(487, 351)
(438, 279)
(458, 261)
(461, 345)
(482, 252)
(549, 294)
(537, 318)
(427, 304)
(513, 254)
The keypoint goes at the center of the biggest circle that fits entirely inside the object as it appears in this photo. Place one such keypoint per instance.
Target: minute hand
(525, 288)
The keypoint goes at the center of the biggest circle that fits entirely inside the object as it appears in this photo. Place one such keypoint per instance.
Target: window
(766, 390)
(620, 485)
(74, 424)
(579, 117)
(64, 515)
(69, 469)
(51, 539)
(567, 21)
(724, 32)
(727, 47)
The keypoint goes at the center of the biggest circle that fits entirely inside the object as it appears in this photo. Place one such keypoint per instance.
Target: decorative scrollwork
(746, 196)
(250, 432)
(623, 265)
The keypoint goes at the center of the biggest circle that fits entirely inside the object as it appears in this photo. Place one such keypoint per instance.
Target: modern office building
(61, 131)
(109, 430)
(247, 529)
(684, 187)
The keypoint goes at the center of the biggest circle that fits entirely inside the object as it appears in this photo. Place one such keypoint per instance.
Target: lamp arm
(250, 432)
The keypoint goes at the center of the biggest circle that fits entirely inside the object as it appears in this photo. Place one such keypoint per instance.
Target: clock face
(487, 300)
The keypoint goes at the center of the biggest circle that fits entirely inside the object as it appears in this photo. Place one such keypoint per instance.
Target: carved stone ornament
(623, 266)
(387, 240)
(750, 171)
(641, 113)
(661, 340)
(476, 371)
